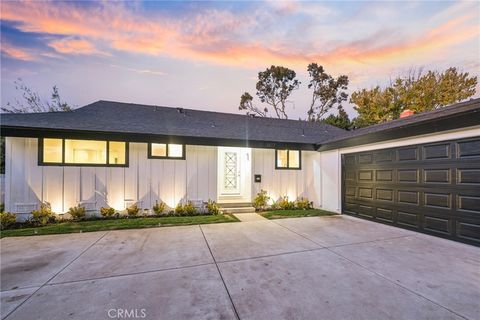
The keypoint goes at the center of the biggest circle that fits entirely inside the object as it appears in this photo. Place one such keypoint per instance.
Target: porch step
(239, 210)
(235, 205)
(243, 207)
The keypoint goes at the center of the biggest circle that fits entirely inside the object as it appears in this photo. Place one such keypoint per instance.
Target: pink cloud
(219, 36)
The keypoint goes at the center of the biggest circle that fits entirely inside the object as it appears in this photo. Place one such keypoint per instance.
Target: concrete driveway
(306, 268)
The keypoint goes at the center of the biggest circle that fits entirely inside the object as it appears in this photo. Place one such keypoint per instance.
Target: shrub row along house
(420, 172)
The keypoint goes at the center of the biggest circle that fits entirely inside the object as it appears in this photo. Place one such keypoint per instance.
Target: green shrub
(2, 207)
(107, 212)
(189, 209)
(261, 200)
(44, 215)
(133, 210)
(7, 219)
(303, 204)
(179, 209)
(78, 212)
(213, 207)
(159, 208)
(285, 204)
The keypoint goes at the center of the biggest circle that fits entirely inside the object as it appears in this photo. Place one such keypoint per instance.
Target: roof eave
(466, 119)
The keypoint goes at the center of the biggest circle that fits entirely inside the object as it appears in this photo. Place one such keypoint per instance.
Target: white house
(421, 172)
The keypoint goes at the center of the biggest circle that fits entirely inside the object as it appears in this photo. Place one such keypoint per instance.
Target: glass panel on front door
(230, 175)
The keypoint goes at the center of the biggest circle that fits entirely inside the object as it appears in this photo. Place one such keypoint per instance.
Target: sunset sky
(204, 55)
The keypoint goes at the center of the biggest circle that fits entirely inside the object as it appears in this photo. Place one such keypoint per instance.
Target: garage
(432, 188)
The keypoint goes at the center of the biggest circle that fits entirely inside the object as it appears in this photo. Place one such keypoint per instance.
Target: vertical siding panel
(34, 172)
(168, 182)
(17, 180)
(180, 180)
(100, 188)
(154, 181)
(131, 174)
(257, 165)
(53, 187)
(87, 184)
(192, 168)
(212, 172)
(204, 173)
(145, 193)
(116, 187)
(71, 187)
(8, 175)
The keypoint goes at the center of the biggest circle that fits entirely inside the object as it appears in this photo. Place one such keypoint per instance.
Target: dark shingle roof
(127, 118)
(136, 122)
(459, 115)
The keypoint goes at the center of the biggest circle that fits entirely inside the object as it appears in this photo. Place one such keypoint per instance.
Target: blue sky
(204, 55)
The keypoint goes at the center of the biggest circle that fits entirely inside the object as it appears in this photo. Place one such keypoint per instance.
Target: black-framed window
(166, 151)
(82, 152)
(288, 159)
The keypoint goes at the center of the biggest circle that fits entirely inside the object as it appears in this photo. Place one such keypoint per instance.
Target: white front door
(234, 170)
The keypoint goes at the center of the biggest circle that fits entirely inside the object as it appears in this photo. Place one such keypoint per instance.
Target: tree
(416, 91)
(327, 92)
(274, 86)
(34, 103)
(246, 103)
(341, 120)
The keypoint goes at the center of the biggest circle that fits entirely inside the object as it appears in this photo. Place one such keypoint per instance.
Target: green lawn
(117, 224)
(281, 214)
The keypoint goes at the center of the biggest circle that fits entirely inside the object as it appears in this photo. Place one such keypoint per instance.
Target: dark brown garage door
(432, 188)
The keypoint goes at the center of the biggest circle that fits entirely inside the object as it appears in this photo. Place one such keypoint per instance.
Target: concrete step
(239, 210)
(235, 205)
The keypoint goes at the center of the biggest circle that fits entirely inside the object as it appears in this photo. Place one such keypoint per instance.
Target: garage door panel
(408, 197)
(438, 200)
(408, 175)
(408, 219)
(365, 158)
(384, 214)
(385, 194)
(384, 175)
(437, 151)
(468, 230)
(435, 176)
(407, 154)
(468, 149)
(383, 156)
(468, 176)
(432, 188)
(438, 225)
(365, 175)
(468, 203)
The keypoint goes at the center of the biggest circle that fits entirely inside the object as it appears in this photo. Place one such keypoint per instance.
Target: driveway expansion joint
(130, 274)
(220, 273)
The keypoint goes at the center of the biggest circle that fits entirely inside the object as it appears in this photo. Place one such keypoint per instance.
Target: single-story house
(421, 172)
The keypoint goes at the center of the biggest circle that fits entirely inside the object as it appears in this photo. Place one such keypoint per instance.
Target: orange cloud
(72, 46)
(212, 36)
(16, 53)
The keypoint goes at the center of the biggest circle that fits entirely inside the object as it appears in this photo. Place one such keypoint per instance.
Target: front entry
(234, 174)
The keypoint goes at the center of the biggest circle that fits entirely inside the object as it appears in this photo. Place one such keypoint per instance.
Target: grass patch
(281, 214)
(117, 224)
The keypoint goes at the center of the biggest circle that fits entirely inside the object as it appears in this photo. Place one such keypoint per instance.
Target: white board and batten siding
(291, 183)
(144, 181)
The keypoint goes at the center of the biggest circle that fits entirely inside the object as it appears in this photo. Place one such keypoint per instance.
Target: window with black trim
(288, 159)
(76, 152)
(166, 151)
